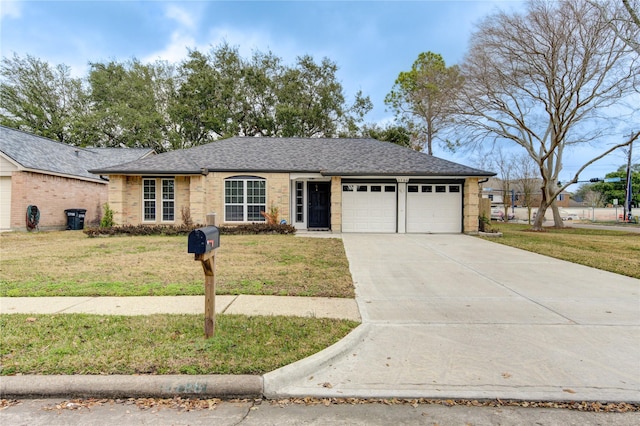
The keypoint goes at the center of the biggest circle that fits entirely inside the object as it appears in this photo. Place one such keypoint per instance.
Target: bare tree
(505, 164)
(527, 178)
(594, 198)
(623, 18)
(546, 80)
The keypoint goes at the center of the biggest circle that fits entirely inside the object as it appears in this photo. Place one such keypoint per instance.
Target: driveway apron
(455, 316)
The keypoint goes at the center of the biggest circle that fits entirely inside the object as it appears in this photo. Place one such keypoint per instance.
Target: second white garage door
(369, 207)
(434, 208)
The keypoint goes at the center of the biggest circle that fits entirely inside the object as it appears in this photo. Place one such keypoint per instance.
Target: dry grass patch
(613, 251)
(68, 263)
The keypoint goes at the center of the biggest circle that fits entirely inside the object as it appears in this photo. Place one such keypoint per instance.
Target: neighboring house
(343, 185)
(493, 190)
(53, 176)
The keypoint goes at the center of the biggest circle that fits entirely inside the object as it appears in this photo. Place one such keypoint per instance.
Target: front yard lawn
(68, 263)
(613, 251)
(159, 344)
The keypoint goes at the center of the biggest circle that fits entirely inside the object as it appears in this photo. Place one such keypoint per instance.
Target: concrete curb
(276, 382)
(123, 386)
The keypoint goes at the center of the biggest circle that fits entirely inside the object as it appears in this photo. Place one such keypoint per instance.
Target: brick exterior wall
(471, 205)
(200, 194)
(53, 195)
(205, 194)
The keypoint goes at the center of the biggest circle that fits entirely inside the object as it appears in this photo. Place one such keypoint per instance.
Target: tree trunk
(557, 219)
(539, 220)
(545, 202)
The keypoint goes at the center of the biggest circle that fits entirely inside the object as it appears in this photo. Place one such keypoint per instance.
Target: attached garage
(434, 207)
(416, 207)
(369, 207)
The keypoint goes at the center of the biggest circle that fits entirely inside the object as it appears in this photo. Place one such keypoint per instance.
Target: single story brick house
(342, 185)
(54, 177)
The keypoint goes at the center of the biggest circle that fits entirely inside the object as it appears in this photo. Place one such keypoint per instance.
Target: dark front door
(319, 202)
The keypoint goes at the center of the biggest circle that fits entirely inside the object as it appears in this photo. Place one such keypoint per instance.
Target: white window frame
(168, 204)
(242, 198)
(161, 206)
(151, 202)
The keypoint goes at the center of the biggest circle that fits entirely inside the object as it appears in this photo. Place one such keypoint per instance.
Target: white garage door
(369, 207)
(5, 202)
(434, 208)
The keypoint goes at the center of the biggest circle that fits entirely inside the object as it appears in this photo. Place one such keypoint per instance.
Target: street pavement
(52, 412)
(443, 316)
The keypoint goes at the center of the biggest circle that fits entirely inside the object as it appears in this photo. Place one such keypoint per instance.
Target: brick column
(336, 204)
(471, 205)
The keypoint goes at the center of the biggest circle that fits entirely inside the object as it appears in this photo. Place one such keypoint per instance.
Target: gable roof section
(331, 157)
(35, 153)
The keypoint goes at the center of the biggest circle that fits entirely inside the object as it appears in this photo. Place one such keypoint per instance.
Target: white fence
(583, 213)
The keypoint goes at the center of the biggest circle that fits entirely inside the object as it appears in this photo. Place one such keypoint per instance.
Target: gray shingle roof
(38, 153)
(339, 157)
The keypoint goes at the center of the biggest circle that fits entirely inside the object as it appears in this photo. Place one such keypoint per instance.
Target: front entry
(319, 194)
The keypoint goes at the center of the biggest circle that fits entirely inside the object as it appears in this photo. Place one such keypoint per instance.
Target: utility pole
(627, 195)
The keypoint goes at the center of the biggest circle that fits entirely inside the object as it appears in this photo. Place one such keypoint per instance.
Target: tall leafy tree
(222, 94)
(125, 105)
(195, 108)
(260, 95)
(398, 135)
(421, 98)
(547, 80)
(311, 101)
(41, 99)
(158, 105)
(616, 190)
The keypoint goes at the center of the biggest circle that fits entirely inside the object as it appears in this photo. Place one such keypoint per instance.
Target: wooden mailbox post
(203, 242)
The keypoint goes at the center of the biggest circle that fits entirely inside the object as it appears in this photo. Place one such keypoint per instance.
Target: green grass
(609, 250)
(159, 344)
(71, 264)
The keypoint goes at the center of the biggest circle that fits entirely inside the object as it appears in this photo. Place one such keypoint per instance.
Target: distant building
(54, 177)
(495, 190)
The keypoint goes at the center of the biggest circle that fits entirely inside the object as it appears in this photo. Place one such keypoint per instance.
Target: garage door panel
(429, 209)
(368, 208)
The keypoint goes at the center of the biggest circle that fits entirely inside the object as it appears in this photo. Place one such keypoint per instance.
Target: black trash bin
(75, 218)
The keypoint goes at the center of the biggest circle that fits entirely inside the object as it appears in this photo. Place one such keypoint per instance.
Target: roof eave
(145, 172)
(374, 173)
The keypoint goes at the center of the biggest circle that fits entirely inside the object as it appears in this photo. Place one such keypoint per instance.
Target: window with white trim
(168, 200)
(150, 203)
(149, 197)
(244, 198)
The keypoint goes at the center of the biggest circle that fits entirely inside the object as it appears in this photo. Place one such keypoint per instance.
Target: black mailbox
(203, 240)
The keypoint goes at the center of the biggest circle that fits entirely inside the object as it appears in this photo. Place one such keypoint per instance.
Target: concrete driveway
(454, 316)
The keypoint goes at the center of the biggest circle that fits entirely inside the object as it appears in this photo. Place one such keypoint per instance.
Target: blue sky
(371, 41)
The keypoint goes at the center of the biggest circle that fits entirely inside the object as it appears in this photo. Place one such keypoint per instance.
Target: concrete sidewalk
(318, 307)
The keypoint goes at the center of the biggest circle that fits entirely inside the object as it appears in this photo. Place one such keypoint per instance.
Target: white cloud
(182, 38)
(176, 50)
(10, 9)
(181, 16)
